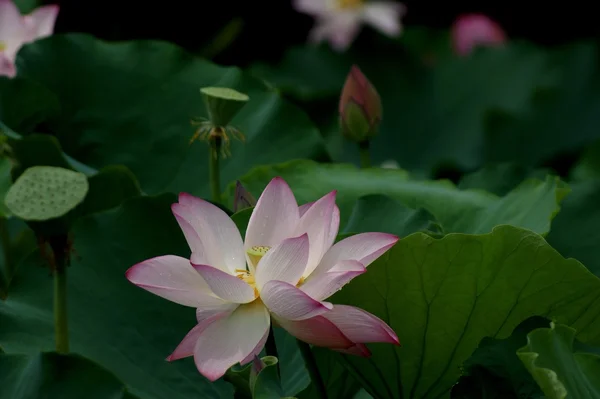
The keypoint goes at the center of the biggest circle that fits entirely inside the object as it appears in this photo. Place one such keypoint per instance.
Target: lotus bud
(360, 107)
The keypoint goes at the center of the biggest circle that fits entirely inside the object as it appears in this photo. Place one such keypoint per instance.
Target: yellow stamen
(256, 253)
(207, 132)
(349, 4)
(300, 282)
(247, 277)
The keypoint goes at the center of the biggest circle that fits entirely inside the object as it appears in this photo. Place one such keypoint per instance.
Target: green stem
(313, 370)
(271, 348)
(215, 182)
(270, 345)
(60, 250)
(365, 156)
(6, 274)
(61, 327)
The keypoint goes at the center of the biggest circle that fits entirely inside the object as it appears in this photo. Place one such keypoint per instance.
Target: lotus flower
(17, 30)
(359, 107)
(283, 271)
(339, 21)
(472, 30)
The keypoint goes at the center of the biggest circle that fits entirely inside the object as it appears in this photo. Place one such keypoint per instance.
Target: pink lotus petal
(339, 30)
(289, 302)
(384, 16)
(364, 248)
(7, 67)
(316, 331)
(226, 286)
(217, 241)
(334, 228)
(207, 312)
(259, 347)
(230, 340)
(335, 221)
(311, 7)
(173, 278)
(316, 222)
(13, 33)
(322, 286)
(305, 207)
(360, 326)
(40, 23)
(356, 350)
(182, 215)
(472, 30)
(285, 262)
(275, 216)
(187, 345)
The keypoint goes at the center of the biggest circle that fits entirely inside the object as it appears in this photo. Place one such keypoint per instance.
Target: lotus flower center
(2, 46)
(349, 4)
(256, 253)
(248, 278)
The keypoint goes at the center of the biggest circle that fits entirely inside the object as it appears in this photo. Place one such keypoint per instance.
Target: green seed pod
(223, 104)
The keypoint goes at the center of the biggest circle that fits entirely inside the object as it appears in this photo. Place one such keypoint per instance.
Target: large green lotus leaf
(575, 229)
(340, 384)
(112, 322)
(294, 377)
(532, 205)
(54, 376)
(495, 363)
(563, 119)
(561, 373)
(443, 296)
(500, 178)
(24, 104)
(434, 111)
(131, 103)
(384, 214)
(5, 184)
(588, 165)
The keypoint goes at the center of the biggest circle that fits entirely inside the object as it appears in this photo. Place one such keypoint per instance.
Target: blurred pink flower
(285, 269)
(472, 30)
(17, 30)
(339, 21)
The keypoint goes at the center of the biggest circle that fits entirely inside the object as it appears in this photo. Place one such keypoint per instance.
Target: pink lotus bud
(472, 30)
(360, 107)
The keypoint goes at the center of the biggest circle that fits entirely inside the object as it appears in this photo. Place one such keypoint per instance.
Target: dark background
(270, 26)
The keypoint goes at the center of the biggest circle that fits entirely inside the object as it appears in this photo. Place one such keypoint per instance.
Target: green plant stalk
(313, 370)
(215, 182)
(271, 347)
(8, 271)
(61, 325)
(365, 156)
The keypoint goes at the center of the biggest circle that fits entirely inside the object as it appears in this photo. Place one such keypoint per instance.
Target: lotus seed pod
(46, 192)
(223, 104)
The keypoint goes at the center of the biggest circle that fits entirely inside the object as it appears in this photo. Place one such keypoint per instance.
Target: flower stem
(60, 250)
(215, 183)
(313, 370)
(8, 271)
(61, 327)
(270, 346)
(365, 156)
